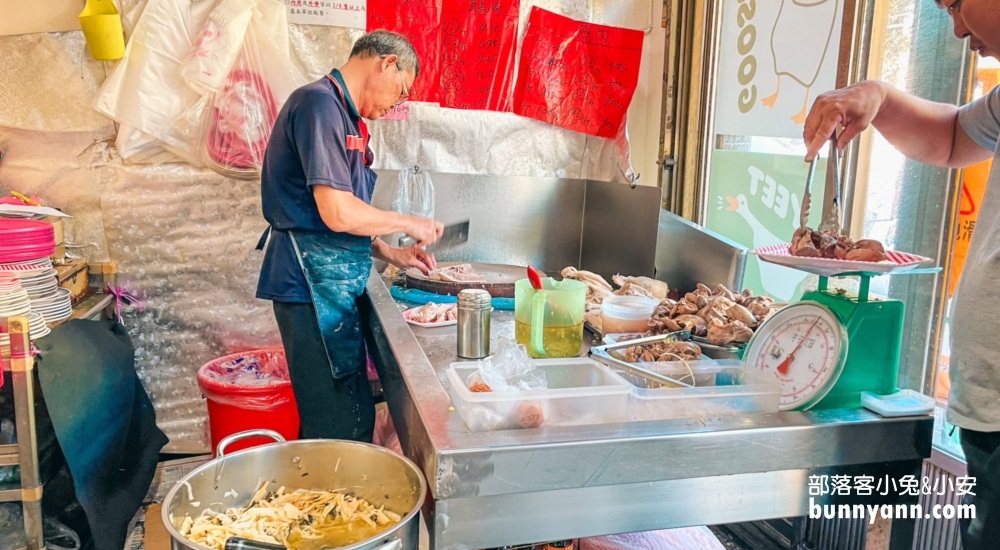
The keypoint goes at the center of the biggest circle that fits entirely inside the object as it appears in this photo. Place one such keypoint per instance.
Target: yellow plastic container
(102, 27)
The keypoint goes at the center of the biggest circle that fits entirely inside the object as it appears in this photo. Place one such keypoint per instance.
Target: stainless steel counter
(521, 486)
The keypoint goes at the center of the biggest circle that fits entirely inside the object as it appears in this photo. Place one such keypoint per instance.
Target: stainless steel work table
(521, 486)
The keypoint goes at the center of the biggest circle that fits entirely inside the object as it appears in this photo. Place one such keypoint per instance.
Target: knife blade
(452, 236)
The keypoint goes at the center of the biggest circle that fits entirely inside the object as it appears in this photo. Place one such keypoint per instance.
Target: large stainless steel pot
(373, 473)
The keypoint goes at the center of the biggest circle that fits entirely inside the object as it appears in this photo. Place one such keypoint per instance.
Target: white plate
(407, 313)
(829, 267)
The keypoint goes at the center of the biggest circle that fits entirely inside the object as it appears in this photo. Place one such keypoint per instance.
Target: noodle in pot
(300, 520)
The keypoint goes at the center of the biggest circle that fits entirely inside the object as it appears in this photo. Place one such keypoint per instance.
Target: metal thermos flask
(474, 323)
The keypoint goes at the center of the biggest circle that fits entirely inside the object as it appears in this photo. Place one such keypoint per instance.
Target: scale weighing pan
(896, 262)
(827, 349)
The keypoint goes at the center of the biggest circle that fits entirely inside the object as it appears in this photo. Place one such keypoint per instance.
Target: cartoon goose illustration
(797, 49)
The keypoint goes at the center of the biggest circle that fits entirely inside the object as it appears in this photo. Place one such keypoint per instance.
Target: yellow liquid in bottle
(558, 341)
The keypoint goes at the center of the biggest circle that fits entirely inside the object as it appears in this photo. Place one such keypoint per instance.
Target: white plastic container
(901, 403)
(581, 391)
(626, 313)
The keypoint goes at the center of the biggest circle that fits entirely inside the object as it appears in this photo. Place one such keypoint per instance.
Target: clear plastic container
(626, 313)
(581, 391)
(720, 388)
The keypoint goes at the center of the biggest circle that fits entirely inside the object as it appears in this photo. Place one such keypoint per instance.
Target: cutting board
(499, 279)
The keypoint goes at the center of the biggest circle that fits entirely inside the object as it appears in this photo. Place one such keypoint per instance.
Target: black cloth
(329, 408)
(103, 420)
(982, 457)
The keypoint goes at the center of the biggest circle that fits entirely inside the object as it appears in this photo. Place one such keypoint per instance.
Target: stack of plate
(38, 278)
(24, 240)
(14, 301)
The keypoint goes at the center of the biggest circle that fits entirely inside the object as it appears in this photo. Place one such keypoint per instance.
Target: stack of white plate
(38, 278)
(13, 298)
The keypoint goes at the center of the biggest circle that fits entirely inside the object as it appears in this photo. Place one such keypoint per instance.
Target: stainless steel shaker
(474, 307)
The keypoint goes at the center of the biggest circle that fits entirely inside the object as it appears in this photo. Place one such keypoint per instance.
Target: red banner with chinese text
(479, 38)
(577, 75)
(420, 22)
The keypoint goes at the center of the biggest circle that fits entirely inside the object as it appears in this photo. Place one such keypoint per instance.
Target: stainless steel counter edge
(459, 463)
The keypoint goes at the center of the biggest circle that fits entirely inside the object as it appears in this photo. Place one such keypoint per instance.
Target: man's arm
(922, 130)
(341, 211)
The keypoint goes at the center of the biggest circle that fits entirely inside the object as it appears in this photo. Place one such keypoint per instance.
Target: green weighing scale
(829, 347)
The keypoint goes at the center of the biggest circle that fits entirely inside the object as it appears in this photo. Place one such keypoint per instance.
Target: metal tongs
(602, 355)
(832, 220)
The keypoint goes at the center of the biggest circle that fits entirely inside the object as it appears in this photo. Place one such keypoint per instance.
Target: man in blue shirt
(316, 188)
(945, 135)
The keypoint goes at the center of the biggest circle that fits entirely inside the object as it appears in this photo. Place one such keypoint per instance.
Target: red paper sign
(420, 22)
(577, 75)
(478, 40)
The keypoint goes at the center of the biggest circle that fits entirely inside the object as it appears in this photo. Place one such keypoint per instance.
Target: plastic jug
(549, 322)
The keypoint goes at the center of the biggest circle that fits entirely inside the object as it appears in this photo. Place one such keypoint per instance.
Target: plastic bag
(218, 46)
(256, 380)
(57, 535)
(415, 194)
(414, 197)
(242, 114)
(510, 369)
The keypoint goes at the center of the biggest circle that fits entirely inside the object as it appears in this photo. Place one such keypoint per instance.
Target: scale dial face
(802, 347)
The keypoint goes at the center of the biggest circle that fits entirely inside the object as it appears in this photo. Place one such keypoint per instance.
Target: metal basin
(373, 473)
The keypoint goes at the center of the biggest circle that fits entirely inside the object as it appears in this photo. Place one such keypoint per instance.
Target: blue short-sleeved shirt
(318, 139)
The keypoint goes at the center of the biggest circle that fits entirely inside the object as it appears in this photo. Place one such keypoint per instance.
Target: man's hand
(424, 230)
(414, 256)
(853, 107)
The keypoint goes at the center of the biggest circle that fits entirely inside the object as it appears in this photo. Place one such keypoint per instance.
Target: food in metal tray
(660, 351)
(300, 520)
(461, 273)
(826, 244)
(720, 315)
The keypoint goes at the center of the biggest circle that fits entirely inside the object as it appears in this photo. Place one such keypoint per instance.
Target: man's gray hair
(381, 43)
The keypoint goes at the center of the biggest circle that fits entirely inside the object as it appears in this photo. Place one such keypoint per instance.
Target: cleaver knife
(452, 236)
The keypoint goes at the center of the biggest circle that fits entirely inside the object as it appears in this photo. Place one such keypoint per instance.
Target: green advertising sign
(755, 199)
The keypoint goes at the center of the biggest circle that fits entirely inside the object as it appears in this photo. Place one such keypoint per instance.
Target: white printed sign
(330, 13)
(776, 56)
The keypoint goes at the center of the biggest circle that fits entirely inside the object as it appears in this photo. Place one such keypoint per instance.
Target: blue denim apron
(336, 275)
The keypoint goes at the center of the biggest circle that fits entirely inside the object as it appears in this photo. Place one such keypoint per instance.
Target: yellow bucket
(102, 27)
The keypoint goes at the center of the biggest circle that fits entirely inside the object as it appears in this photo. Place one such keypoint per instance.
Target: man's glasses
(405, 94)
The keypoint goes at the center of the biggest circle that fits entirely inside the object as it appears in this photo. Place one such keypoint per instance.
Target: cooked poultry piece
(433, 313)
(632, 289)
(656, 289)
(698, 311)
(819, 244)
(461, 273)
(720, 333)
(597, 287)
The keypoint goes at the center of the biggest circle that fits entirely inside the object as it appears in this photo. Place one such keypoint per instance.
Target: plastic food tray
(581, 391)
(720, 387)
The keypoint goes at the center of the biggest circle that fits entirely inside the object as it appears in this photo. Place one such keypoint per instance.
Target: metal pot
(372, 473)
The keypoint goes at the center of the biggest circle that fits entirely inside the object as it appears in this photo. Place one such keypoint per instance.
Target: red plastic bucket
(249, 390)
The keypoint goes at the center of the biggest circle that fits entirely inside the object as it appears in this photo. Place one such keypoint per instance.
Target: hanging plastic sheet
(577, 75)
(420, 22)
(478, 42)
